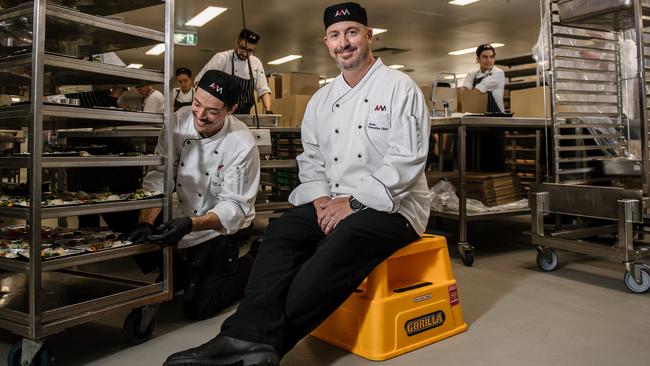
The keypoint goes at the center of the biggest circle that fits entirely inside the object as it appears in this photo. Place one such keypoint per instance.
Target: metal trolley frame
(584, 60)
(27, 309)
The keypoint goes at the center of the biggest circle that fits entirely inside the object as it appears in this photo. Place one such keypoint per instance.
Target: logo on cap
(216, 88)
(342, 12)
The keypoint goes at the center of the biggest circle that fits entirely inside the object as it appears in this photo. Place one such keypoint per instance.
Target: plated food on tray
(57, 242)
(77, 198)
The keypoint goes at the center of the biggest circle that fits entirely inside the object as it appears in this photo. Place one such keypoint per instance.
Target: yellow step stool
(409, 301)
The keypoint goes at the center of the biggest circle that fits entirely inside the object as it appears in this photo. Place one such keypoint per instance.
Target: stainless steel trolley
(41, 51)
(600, 135)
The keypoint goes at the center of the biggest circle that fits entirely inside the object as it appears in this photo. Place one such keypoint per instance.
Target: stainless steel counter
(459, 126)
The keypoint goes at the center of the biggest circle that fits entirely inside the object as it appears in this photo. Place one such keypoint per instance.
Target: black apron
(178, 105)
(487, 148)
(492, 106)
(246, 100)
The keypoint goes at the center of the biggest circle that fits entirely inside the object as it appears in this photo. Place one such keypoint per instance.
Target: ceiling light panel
(205, 16)
(285, 59)
(462, 2)
(156, 50)
(473, 49)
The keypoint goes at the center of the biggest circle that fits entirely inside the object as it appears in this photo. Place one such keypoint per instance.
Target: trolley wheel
(547, 264)
(468, 258)
(638, 288)
(132, 329)
(42, 358)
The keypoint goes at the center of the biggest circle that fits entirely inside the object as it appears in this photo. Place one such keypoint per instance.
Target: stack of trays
(286, 145)
(492, 188)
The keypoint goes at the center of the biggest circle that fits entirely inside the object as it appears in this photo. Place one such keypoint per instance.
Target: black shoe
(222, 351)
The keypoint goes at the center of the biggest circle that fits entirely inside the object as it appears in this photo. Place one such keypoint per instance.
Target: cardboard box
(275, 83)
(297, 83)
(530, 102)
(471, 101)
(292, 108)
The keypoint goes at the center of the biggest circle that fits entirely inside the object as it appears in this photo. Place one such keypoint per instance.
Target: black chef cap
(343, 12)
(221, 85)
(249, 36)
(484, 47)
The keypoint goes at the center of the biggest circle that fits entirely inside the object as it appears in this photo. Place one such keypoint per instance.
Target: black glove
(171, 232)
(139, 233)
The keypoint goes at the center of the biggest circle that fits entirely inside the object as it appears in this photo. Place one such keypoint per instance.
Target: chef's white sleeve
(261, 84)
(494, 81)
(311, 164)
(154, 179)
(468, 82)
(405, 159)
(239, 190)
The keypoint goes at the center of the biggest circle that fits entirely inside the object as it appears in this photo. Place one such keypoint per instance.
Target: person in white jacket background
(487, 78)
(216, 170)
(153, 101)
(363, 195)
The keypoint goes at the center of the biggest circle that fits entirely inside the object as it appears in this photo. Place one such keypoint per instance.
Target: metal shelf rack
(39, 65)
(596, 180)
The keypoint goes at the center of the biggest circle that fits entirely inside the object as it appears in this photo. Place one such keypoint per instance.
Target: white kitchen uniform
(370, 141)
(182, 97)
(493, 81)
(226, 60)
(154, 102)
(217, 174)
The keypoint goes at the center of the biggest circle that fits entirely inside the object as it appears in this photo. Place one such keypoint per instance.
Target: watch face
(354, 204)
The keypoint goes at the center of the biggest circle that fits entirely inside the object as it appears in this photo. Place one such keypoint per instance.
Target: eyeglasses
(243, 48)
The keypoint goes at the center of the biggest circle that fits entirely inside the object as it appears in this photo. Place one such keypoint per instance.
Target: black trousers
(212, 274)
(300, 276)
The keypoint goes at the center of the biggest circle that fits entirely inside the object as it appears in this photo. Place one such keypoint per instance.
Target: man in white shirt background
(487, 78)
(236, 63)
(489, 153)
(154, 101)
(363, 195)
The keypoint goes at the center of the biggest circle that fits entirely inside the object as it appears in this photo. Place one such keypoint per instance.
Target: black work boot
(223, 351)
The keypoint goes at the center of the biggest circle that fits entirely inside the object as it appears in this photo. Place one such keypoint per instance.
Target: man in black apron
(487, 149)
(184, 94)
(246, 69)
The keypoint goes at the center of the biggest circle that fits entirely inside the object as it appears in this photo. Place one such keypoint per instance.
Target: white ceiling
(429, 29)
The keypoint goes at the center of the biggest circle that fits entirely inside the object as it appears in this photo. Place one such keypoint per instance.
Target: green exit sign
(186, 38)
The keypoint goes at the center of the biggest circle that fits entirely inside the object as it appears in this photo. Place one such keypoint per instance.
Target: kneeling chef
(216, 171)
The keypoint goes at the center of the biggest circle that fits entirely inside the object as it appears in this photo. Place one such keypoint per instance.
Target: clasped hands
(331, 211)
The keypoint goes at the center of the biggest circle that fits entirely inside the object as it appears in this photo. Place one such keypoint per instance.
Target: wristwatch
(356, 205)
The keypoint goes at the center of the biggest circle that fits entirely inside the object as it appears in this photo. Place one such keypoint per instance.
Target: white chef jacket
(154, 102)
(223, 61)
(494, 81)
(370, 141)
(183, 97)
(218, 174)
